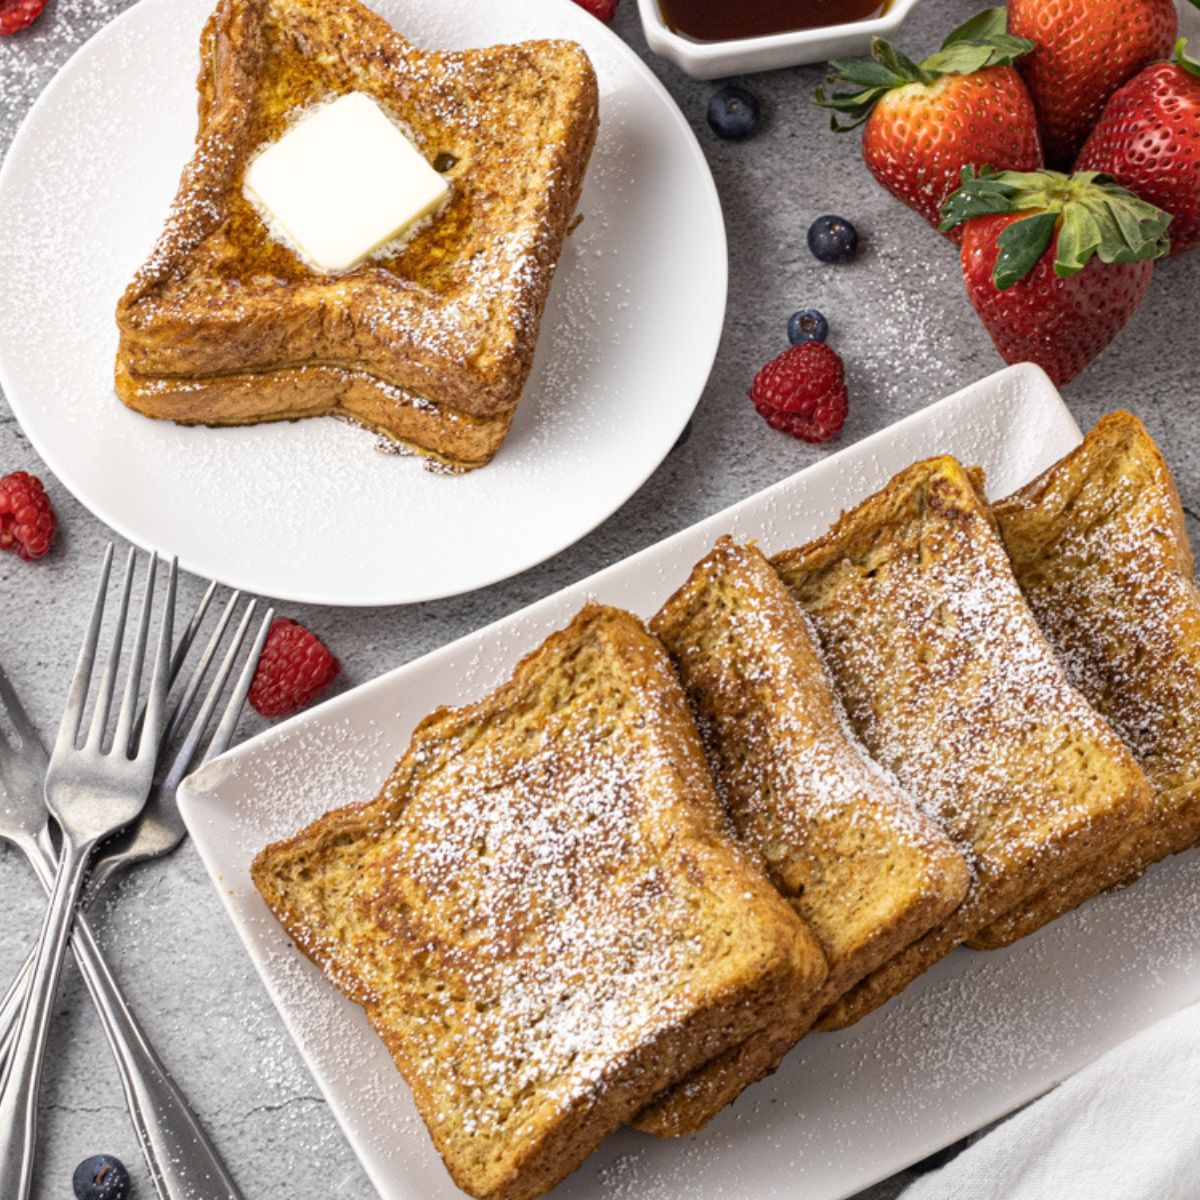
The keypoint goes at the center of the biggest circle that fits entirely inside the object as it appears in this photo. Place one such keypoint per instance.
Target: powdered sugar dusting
(1114, 593)
(534, 895)
(834, 828)
(950, 684)
(973, 1037)
(1099, 548)
(96, 176)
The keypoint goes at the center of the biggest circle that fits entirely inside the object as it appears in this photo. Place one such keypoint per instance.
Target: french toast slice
(1099, 546)
(430, 341)
(951, 686)
(545, 913)
(866, 869)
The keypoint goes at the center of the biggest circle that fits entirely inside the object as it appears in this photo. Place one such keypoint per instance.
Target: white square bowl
(743, 56)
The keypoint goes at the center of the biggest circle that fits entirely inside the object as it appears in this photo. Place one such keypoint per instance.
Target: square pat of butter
(343, 181)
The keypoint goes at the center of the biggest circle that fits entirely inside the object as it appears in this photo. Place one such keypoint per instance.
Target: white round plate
(310, 511)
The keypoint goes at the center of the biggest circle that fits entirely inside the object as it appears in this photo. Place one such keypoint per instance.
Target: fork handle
(10, 1010)
(23, 1073)
(40, 853)
(183, 1163)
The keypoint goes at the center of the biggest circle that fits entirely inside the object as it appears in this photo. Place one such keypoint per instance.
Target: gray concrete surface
(908, 337)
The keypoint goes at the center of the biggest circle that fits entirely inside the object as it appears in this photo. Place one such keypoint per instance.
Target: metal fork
(160, 828)
(91, 792)
(181, 1159)
(25, 823)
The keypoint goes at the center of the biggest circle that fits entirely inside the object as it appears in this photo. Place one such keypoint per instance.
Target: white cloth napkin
(1125, 1128)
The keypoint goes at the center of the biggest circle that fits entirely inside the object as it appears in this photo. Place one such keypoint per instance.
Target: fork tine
(16, 713)
(68, 731)
(187, 750)
(160, 682)
(233, 709)
(189, 634)
(179, 712)
(133, 679)
(100, 712)
(183, 648)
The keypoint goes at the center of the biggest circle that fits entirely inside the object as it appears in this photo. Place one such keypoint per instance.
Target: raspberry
(803, 392)
(602, 10)
(15, 15)
(295, 667)
(27, 520)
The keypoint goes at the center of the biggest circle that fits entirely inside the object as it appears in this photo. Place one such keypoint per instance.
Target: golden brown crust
(462, 442)
(544, 912)
(950, 684)
(1099, 545)
(860, 863)
(452, 315)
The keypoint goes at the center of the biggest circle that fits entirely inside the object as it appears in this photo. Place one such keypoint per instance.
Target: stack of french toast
(430, 339)
(621, 887)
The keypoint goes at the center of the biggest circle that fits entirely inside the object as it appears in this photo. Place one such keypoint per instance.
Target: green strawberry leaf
(1099, 219)
(1180, 57)
(963, 59)
(855, 106)
(981, 42)
(1078, 240)
(865, 72)
(1127, 228)
(990, 23)
(896, 61)
(978, 196)
(1021, 244)
(1122, 228)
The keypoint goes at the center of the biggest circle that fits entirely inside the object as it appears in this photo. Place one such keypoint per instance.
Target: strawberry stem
(1093, 217)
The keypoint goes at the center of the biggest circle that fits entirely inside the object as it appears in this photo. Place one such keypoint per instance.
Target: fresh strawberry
(16, 15)
(803, 392)
(963, 106)
(602, 10)
(1148, 140)
(294, 668)
(1054, 264)
(1084, 51)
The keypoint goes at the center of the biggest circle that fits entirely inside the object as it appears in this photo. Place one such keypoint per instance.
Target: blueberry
(681, 440)
(101, 1177)
(833, 239)
(807, 325)
(733, 113)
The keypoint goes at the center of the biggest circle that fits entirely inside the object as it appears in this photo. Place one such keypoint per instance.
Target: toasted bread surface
(449, 316)
(858, 860)
(406, 423)
(951, 685)
(1099, 545)
(544, 913)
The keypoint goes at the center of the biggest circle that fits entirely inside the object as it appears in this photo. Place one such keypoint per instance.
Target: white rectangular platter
(974, 1038)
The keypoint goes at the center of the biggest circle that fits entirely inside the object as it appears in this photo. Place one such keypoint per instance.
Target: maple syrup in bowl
(730, 20)
(713, 39)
